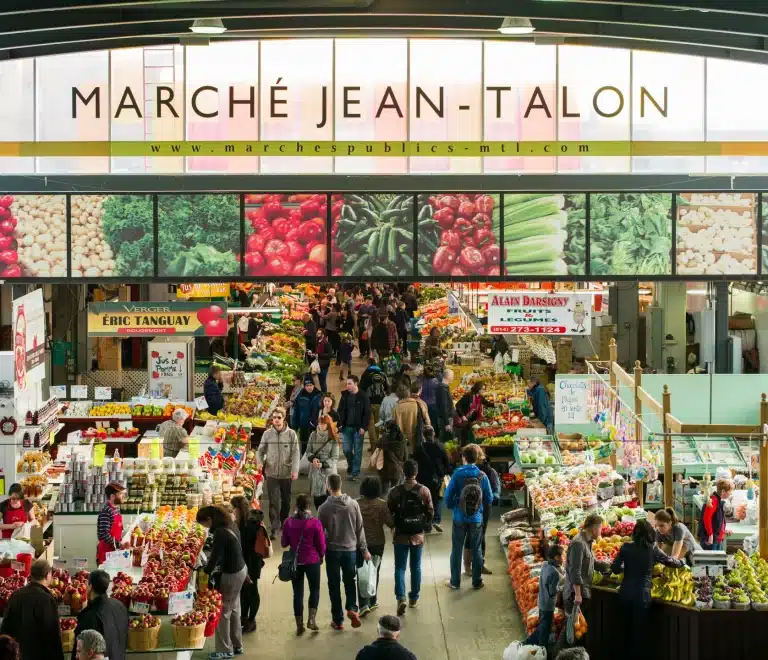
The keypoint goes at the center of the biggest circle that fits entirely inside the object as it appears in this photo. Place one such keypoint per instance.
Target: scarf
(476, 406)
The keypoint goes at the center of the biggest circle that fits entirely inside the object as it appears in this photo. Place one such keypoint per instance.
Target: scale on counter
(709, 562)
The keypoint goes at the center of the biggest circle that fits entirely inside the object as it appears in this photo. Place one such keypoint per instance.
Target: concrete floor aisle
(447, 625)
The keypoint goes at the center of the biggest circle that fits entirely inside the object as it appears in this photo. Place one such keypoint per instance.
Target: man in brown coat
(406, 416)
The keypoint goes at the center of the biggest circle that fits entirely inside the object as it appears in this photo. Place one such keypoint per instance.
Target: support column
(65, 326)
(762, 518)
(723, 364)
(672, 299)
(623, 307)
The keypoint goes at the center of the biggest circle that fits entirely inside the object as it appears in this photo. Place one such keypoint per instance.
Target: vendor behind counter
(15, 511)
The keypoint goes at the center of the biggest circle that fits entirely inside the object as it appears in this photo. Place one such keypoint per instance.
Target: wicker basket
(189, 637)
(67, 640)
(144, 639)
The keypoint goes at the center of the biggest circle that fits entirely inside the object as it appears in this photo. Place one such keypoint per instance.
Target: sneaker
(374, 606)
(354, 617)
(413, 603)
(450, 585)
(478, 586)
(354, 479)
(220, 655)
(364, 610)
(486, 571)
(337, 626)
(437, 528)
(400, 607)
(239, 651)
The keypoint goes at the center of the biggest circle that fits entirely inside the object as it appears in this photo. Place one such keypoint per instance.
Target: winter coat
(384, 649)
(313, 546)
(32, 619)
(453, 493)
(579, 567)
(395, 449)
(637, 562)
(433, 464)
(279, 453)
(540, 404)
(305, 409)
(380, 337)
(429, 391)
(249, 533)
(354, 411)
(326, 450)
(213, 396)
(406, 416)
(324, 353)
(445, 409)
(108, 617)
(376, 515)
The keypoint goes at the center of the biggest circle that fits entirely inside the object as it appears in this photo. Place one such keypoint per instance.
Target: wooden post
(639, 487)
(666, 407)
(613, 352)
(762, 522)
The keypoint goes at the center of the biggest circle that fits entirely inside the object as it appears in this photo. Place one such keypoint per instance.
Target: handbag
(287, 569)
(376, 462)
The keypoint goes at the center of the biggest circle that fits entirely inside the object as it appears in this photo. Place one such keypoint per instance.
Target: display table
(75, 535)
(676, 632)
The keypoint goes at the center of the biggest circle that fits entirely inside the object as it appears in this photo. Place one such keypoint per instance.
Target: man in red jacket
(712, 530)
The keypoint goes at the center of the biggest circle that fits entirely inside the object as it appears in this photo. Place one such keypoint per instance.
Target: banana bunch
(674, 585)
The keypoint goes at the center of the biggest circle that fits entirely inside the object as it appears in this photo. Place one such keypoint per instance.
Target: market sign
(571, 400)
(126, 319)
(189, 291)
(519, 312)
(28, 340)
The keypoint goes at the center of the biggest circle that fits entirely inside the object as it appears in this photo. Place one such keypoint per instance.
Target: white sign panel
(103, 394)
(571, 400)
(78, 391)
(58, 391)
(28, 340)
(119, 559)
(180, 602)
(534, 313)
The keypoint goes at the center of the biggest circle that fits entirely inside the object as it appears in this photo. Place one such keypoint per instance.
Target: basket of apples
(143, 633)
(209, 602)
(67, 627)
(189, 629)
(76, 596)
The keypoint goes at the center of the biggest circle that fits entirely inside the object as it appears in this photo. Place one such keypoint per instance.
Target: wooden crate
(564, 355)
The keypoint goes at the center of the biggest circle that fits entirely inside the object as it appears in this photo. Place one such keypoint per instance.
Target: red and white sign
(533, 313)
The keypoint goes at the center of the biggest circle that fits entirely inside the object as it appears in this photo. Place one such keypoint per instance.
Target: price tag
(64, 610)
(18, 566)
(699, 571)
(180, 602)
(58, 391)
(102, 424)
(74, 437)
(201, 403)
(60, 563)
(103, 394)
(125, 425)
(78, 391)
(65, 453)
(139, 608)
(80, 563)
(51, 438)
(194, 448)
(99, 451)
(154, 449)
(119, 559)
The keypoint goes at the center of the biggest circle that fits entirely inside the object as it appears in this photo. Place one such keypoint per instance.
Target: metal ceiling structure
(730, 29)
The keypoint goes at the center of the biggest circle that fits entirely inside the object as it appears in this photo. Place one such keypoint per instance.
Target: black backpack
(377, 390)
(411, 514)
(471, 497)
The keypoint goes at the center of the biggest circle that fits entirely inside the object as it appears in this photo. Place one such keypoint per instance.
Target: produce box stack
(524, 359)
(606, 333)
(564, 355)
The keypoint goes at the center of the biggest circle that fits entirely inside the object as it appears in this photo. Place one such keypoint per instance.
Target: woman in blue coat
(212, 390)
(540, 402)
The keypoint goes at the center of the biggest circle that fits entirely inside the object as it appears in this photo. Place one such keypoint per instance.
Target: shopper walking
(444, 408)
(712, 530)
(310, 334)
(467, 494)
(227, 557)
(278, 455)
(31, 617)
(388, 403)
(434, 465)
(495, 483)
(402, 322)
(327, 408)
(411, 415)
(412, 512)
(323, 353)
(304, 412)
(376, 516)
(380, 338)
(323, 455)
(330, 323)
(395, 448)
(636, 560)
(303, 533)
(387, 646)
(429, 391)
(256, 548)
(345, 537)
(105, 615)
(354, 416)
(411, 301)
(212, 390)
(374, 383)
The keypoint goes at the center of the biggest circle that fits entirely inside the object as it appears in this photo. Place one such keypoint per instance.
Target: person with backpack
(433, 464)
(411, 415)
(375, 384)
(412, 512)
(256, 548)
(323, 454)
(468, 492)
(304, 411)
(303, 534)
(345, 536)
(494, 480)
(393, 445)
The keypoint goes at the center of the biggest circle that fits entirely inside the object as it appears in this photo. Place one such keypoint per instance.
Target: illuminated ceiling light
(516, 26)
(208, 26)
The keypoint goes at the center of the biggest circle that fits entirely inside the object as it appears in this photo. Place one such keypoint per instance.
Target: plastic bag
(575, 626)
(520, 651)
(314, 368)
(304, 464)
(366, 579)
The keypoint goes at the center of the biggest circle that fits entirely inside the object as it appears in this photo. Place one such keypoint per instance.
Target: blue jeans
(402, 553)
(352, 444)
(341, 565)
(474, 532)
(323, 378)
(540, 636)
(438, 504)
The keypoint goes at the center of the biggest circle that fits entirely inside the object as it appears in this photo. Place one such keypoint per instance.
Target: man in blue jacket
(467, 493)
(304, 411)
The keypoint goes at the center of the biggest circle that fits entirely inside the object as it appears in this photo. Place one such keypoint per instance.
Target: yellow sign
(99, 451)
(52, 438)
(381, 149)
(154, 449)
(190, 291)
(194, 448)
(187, 318)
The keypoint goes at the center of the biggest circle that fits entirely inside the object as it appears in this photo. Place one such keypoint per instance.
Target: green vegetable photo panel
(544, 234)
(198, 235)
(630, 233)
(764, 207)
(372, 235)
(458, 234)
(112, 236)
(285, 234)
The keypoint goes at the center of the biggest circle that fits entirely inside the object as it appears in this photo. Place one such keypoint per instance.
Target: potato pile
(41, 234)
(91, 255)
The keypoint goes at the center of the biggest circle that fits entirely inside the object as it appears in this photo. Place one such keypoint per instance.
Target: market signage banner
(29, 340)
(518, 312)
(125, 319)
(202, 290)
(571, 400)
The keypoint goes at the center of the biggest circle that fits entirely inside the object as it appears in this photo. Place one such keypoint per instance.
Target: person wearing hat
(387, 646)
(173, 433)
(304, 411)
(109, 526)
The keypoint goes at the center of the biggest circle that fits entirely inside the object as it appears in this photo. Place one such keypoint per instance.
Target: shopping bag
(520, 651)
(314, 368)
(575, 626)
(377, 459)
(304, 464)
(366, 579)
